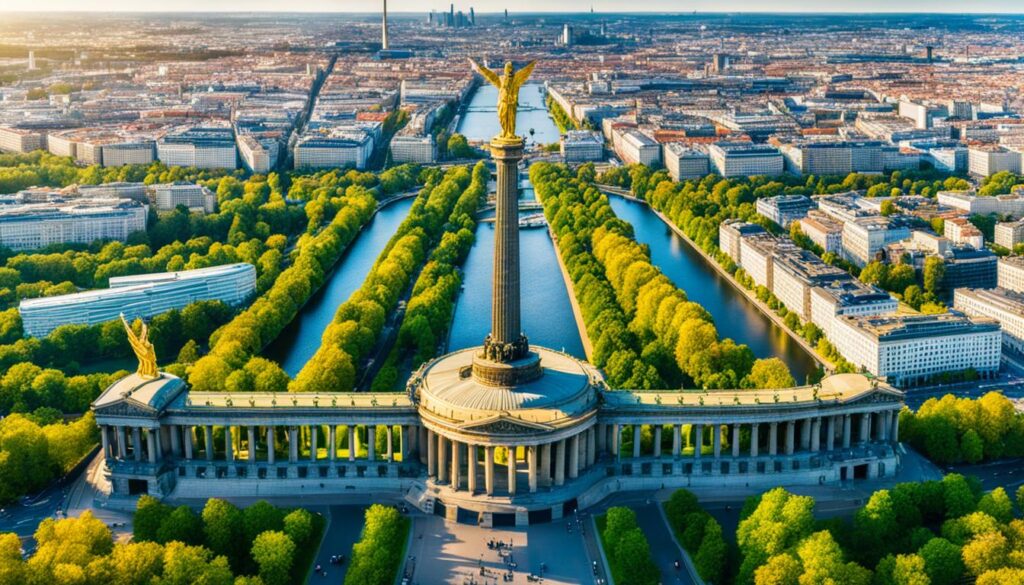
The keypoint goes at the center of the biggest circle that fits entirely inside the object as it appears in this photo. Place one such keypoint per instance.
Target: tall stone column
(371, 442)
(830, 433)
(151, 445)
(698, 440)
(332, 442)
(560, 463)
(735, 440)
(251, 432)
(816, 435)
(805, 434)
(676, 429)
(865, 428)
(657, 440)
(172, 431)
(754, 439)
(602, 438)
(122, 443)
(229, 446)
(716, 438)
(431, 454)
(293, 444)
(390, 453)
(489, 470)
(574, 456)
(422, 443)
(883, 426)
(511, 471)
(105, 442)
(790, 437)
(545, 464)
(314, 447)
(636, 442)
(137, 444)
(505, 307)
(531, 463)
(471, 458)
(616, 432)
(208, 430)
(773, 438)
(456, 465)
(352, 442)
(270, 445)
(894, 435)
(442, 458)
(846, 431)
(591, 447)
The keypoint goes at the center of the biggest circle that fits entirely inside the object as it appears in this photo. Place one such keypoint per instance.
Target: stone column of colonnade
(235, 445)
(462, 465)
(772, 438)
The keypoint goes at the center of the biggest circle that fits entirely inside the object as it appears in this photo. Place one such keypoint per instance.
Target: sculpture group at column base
(506, 373)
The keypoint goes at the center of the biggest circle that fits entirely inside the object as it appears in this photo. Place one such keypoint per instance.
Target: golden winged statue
(143, 349)
(508, 86)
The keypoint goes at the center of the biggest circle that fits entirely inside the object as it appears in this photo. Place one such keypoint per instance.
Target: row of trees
(35, 369)
(36, 449)
(261, 540)
(378, 555)
(432, 302)
(359, 320)
(955, 430)
(567, 206)
(677, 337)
(925, 533)
(699, 533)
(561, 118)
(235, 344)
(626, 548)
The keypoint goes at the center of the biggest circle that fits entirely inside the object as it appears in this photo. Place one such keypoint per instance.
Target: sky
(951, 6)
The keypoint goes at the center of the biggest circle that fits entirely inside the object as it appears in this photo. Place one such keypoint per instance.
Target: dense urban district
(695, 298)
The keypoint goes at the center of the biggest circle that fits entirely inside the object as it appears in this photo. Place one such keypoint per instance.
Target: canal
(301, 338)
(480, 120)
(547, 315)
(735, 316)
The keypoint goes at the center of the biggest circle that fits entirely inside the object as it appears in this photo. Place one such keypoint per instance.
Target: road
(664, 551)
(1007, 473)
(457, 552)
(344, 526)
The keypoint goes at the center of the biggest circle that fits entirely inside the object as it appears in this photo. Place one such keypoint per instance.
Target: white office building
(785, 209)
(822, 230)
(30, 226)
(983, 161)
(419, 149)
(633, 146)
(741, 159)
(913, 349)
(685, 163)
(204, 148)
(850, 298)
(865, 237)
(336, 147)
(20, 139)
(969, 202)
(1009, 233)
(730, 235)
(1011, 273)
(195, 197)
(961, 231)
(142, 296)
(1005, 306)
(582, 146)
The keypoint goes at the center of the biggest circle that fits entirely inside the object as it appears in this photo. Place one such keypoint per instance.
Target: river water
(735, 316)
(480, 121)
(301, 338)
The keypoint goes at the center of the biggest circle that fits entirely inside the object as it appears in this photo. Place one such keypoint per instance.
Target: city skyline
(525, 6)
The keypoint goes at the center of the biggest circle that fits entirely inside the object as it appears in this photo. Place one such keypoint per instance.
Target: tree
(12, 567)
(770, 373)
(222, 526)
(971, 447)
(181, 525)
(185, 565)
(997, 504)
(298, 525)
(958, 496)
(150, 514)
(942, 561)
(259, 518)
(780, 569)
(986, 552)
(136, 563)
(933, 274)
(274, 553)
(711, 555)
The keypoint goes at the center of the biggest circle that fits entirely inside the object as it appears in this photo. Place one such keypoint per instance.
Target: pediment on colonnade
(506, 425)
(125, 408)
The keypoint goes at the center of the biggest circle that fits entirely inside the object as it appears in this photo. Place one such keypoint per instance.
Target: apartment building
(420, 149)
(822, 230)
(1000, 304)
(961, 231)
(911, 349)
(141, 296)
(741, 159)
(864, 238)
(338, 147)
(1011, 273)
(20, 139)
(986, 160)
(756, 252)
(1009, 233)
(731, 233)
(204, 148)
(633, 146)
(851, 298)
(579, 146)
(259, 155)
(683, 162)
(785, 209)
(29, 226)
(971, 203)
(195, 197)
(796, 272)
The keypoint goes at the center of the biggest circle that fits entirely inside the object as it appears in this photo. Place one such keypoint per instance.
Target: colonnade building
(500, 434)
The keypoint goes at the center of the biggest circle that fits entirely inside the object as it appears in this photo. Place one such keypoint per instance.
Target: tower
(384, 28)
(31, 60)
(472, 17)
(566, 35)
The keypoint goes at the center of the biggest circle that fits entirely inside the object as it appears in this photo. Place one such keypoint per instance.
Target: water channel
(735, 316)
(301, 338)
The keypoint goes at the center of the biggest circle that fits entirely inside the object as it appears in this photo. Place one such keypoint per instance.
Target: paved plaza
(454, 553)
